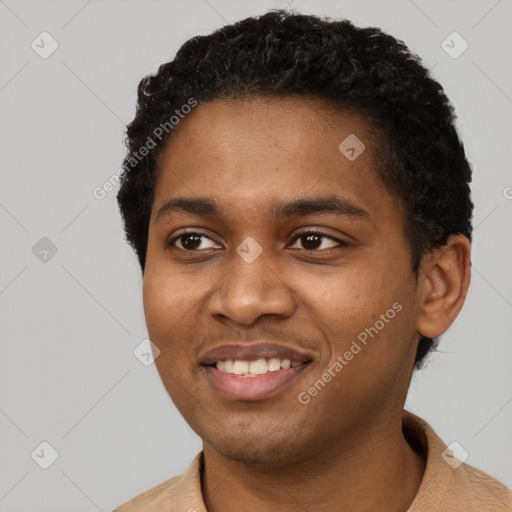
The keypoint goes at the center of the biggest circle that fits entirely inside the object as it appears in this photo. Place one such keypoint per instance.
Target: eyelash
(341, 243)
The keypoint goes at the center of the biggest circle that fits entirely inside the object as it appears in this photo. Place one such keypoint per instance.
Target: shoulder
(160, 497)
(479, 491)
(178, 493)
(449, 483)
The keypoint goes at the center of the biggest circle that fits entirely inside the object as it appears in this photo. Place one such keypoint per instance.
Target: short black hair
(286, 54)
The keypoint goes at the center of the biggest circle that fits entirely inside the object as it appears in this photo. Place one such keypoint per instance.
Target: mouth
(254, 368)
(253, 372)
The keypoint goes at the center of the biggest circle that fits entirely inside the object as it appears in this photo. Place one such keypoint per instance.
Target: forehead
(251, 152)
(309, 127)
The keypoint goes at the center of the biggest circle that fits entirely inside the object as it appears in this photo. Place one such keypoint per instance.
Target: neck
(376, 470)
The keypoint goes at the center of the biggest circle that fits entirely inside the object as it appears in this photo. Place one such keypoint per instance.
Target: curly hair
(282, 54)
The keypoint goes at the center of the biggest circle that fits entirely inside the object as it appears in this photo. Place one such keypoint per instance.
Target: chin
(258, 448)
(252, 455)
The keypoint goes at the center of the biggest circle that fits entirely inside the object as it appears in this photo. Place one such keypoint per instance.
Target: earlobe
(445, 275)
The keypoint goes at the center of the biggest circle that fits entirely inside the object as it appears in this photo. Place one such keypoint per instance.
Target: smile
(253, 371)
(255, 368)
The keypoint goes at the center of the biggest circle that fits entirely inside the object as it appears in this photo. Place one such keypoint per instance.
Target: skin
(345, 449)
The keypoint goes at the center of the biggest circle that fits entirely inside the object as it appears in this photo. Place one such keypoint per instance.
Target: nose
(251, 289)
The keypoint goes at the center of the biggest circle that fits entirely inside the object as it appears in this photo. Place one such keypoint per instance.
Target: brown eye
(313, 240)
(190, 241)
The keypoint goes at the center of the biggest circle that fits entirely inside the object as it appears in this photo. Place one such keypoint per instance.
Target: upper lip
(252, 352)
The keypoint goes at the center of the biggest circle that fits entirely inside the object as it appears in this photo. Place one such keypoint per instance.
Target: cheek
(351, 295)
(170, 320)
(166, 309)
(159, 306)
(363, 300)
(174, 302)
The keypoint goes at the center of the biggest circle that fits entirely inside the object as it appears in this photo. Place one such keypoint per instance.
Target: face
(273, 251)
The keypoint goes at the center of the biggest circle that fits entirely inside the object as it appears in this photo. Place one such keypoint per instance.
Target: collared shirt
(447, 485)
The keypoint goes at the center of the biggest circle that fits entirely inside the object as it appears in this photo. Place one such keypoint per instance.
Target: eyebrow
(207, 207)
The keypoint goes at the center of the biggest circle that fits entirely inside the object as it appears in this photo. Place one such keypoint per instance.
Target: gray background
(70, 323)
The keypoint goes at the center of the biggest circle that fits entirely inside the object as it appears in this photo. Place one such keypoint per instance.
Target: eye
(312, 240)
(190, 241)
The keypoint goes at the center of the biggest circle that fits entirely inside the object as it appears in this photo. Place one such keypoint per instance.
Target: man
(299, 202)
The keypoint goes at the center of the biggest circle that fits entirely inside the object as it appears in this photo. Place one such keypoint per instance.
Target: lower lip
(236, 387)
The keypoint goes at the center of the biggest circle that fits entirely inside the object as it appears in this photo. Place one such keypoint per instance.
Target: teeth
(254, 368)
(274, 364)
(258, 367)
(240, 367)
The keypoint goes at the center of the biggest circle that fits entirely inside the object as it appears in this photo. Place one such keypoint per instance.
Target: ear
(445, 275)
